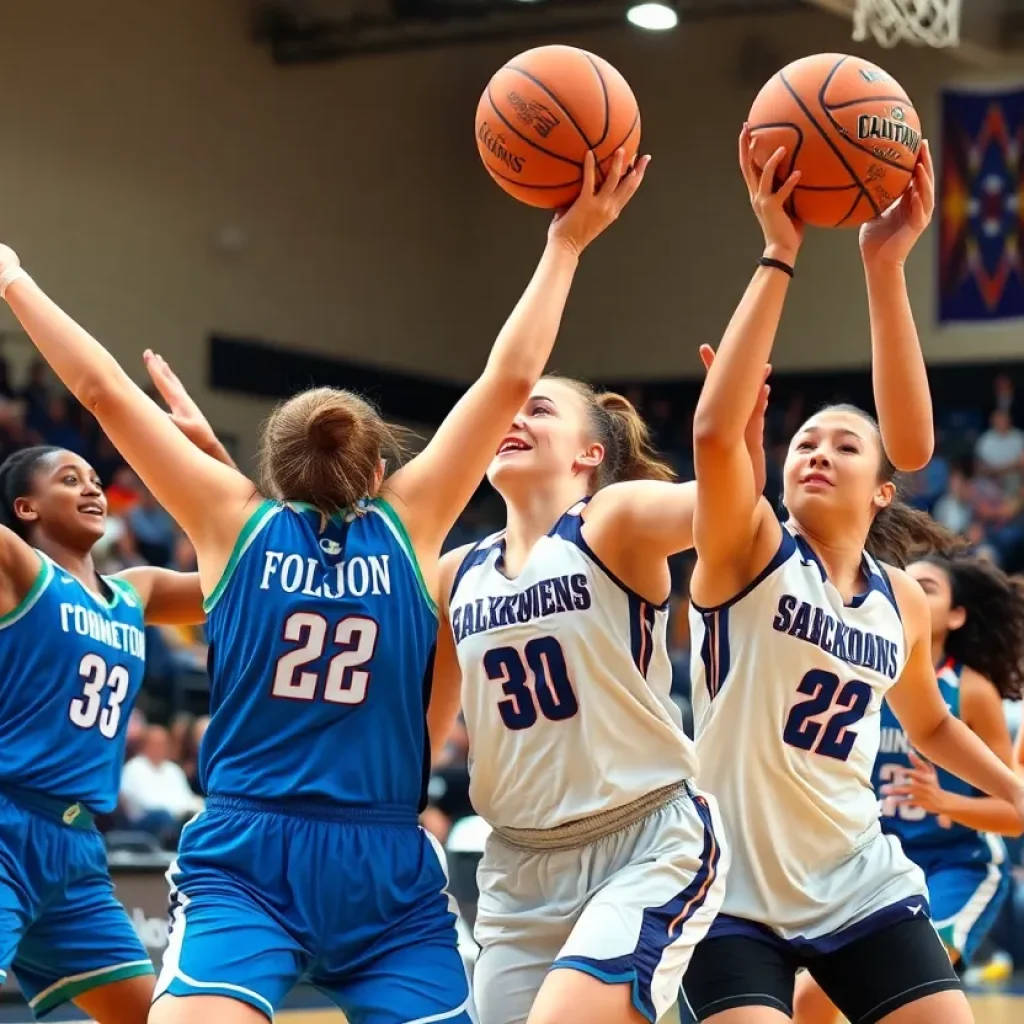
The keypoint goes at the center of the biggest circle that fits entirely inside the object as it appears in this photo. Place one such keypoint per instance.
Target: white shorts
(627, 908)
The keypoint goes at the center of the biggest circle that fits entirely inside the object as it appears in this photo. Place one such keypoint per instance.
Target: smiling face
(548, 440)
(834, 473)
(65, 501)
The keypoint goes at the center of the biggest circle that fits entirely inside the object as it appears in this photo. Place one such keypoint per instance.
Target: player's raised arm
(898, 373)
(433, 488)
(186, 481)
(729, 514)
(930, 726)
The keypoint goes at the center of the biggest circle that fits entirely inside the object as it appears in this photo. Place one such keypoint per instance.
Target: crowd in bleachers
(974, 486)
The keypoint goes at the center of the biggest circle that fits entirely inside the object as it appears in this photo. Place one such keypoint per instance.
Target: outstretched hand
(754, 434)
(890, 237)
(578, 225)
(782, 233)
(183, 411)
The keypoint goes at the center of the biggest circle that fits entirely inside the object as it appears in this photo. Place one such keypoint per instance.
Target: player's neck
(527, 521)
(842, 561)
(938, 651)
(75, 563)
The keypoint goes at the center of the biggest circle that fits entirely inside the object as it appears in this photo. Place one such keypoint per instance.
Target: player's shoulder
(454, 563)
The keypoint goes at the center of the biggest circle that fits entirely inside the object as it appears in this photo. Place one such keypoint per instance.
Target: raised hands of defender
(754, 434)
(183, 411)
(598, 206)
(889, 238)
(782, 234)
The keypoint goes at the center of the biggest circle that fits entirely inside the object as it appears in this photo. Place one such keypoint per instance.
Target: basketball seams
(864, 99)
(844, 135)
(533, 145)
(525, 185)
(568, 113)
(850, 212)
(831, 145)
(632, 128)
(791, 202)
(607, 102)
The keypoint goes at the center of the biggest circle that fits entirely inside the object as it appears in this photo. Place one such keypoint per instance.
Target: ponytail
(629, 453)
(899, 533)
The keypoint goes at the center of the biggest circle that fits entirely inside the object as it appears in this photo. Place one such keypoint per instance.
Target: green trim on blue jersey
(67, 989)
(264, 511)
(390, 516)
(24, 606)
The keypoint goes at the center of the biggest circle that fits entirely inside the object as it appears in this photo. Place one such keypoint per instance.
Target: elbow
(913, 454)
(710, 433)
(98, 391)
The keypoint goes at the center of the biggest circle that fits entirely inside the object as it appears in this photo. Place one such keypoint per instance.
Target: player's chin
(92, 525)
(513, 466)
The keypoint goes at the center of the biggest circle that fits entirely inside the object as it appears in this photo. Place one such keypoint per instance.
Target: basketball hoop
(920, 22)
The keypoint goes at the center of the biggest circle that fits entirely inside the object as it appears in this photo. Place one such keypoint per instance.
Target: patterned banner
(981, 185)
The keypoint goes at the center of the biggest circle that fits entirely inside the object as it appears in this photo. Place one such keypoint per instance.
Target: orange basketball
(540, 114)
(848, 127)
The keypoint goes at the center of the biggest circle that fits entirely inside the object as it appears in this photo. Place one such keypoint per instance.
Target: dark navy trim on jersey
(877, 581)
(570, 528)
(714, 650)
(661, 926)
(786, 549)
(641, 632)
(380, 814)
(906, 909)
(476, 555)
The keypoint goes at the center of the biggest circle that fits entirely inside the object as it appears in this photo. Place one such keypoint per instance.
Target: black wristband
(767, 261)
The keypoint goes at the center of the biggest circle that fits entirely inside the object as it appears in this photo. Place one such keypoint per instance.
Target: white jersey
(565, 685)
(788, 683)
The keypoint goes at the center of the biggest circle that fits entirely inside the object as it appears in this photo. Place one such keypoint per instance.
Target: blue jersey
(322, 640)
(71, 664)
(920, 832)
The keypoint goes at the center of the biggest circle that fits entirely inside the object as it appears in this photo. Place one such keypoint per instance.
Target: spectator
(448, 788)
(153, 529)
(954, 510)
(1000, 451)
(61, 429)
(155, 793)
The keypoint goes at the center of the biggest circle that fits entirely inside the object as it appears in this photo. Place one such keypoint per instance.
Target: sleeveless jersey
(71, 664)
(788, 683)
(321, 652)
(920, 832)
(565, 684)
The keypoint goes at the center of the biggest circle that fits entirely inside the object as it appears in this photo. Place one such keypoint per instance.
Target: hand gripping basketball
(889, 238)
(578, 225)
(782, 234)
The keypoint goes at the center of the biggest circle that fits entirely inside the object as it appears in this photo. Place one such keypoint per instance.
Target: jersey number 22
(822, 723)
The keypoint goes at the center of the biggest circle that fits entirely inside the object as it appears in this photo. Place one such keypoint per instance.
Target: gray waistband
(596, 826)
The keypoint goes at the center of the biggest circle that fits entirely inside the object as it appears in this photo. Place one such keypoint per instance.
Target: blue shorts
(61, 927)
(966, 899)
(353, 901)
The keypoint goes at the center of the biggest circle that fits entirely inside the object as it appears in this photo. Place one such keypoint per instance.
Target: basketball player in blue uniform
(321, 587)
(799, 632)
(949, 829)
(72, 652)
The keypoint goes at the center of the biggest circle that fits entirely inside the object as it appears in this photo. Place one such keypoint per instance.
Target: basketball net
(921, 22)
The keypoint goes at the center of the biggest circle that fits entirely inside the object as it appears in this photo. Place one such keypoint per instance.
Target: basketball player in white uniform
(605, 861)
(798, 634)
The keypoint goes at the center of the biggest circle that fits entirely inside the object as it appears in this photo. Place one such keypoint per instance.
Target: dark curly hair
(16, 482)
(991, 640)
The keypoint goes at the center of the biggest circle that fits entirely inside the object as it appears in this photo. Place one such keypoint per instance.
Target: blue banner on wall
(980, 206)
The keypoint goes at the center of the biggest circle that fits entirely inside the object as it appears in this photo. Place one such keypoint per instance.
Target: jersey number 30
(822, 723)
(552, 689)
(90, 708)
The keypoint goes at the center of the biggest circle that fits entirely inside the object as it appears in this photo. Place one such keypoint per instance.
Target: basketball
(850, 130)
(543, 111)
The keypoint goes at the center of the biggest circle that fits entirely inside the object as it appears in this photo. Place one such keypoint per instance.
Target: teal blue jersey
(71, 665)
(322, 639)
(920, 832)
